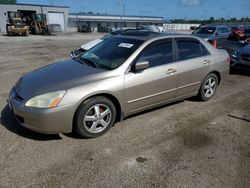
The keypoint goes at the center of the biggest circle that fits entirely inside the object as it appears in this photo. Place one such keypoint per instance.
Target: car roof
(147, 35)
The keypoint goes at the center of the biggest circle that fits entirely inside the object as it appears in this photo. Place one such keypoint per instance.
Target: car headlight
(48, 100)
(236, 54)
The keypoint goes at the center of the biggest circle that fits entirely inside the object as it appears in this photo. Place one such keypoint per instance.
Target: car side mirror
(141, 65)
(217, 33)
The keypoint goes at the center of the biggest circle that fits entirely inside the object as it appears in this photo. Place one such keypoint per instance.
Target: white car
(83, 48)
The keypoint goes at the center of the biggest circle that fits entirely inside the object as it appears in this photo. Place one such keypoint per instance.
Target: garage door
(56, 18)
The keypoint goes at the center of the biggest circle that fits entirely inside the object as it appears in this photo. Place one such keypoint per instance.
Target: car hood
(58, 76)
(245, 50)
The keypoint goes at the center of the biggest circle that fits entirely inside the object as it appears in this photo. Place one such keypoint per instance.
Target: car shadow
(9, 122)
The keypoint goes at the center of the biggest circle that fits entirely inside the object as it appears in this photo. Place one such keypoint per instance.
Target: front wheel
(95, 117)
(208, 87)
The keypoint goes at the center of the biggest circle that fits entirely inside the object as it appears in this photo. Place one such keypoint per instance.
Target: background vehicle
(93, 43)
(54, 28)
(84, 28)
(213, 32)
(15, 25)
(103, 29)
(247, 32)
(240, 59)
(237, 34)
(38, 24)
(123, 75)
(151, 28)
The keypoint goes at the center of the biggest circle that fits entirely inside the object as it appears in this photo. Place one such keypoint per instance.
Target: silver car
(123, 75)
(213, 32)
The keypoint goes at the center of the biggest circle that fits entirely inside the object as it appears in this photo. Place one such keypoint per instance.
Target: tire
(92, 110)
(208, 87)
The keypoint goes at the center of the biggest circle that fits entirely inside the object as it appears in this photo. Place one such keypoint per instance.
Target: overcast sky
(169, 9)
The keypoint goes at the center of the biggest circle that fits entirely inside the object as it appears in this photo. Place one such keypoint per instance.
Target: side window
(190, 48)
(158, 54)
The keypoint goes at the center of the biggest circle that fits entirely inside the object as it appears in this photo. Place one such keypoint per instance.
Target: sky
(169, 9)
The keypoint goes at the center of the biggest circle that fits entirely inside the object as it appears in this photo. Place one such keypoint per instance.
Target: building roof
(114, 18)
(114, 15)
(23, 4)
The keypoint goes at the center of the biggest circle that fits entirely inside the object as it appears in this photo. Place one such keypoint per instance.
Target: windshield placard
(126, 45)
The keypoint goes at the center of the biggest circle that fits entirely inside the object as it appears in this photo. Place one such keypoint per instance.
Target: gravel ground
(185, 144)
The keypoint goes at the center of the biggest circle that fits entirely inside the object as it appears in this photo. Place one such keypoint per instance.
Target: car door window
(158, 54)
(190, 48)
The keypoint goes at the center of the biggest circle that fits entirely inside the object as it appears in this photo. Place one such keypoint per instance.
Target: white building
(112, 21)
(69, 22)
(54, 14)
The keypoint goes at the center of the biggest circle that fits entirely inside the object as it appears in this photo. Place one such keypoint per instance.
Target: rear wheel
(208, 87)
(95, 117)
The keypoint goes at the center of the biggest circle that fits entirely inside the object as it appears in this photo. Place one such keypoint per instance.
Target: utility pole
(123, 12)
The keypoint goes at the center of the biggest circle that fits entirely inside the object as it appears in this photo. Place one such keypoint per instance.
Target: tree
(8, 1)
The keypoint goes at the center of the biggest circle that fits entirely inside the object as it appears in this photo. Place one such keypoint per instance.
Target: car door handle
(205, 62)
(171, 71)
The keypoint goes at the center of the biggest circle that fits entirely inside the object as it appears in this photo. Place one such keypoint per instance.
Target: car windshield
(206, 30)
(111, 53)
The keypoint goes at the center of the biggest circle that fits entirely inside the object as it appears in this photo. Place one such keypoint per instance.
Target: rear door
(156, 84)
(194, 62)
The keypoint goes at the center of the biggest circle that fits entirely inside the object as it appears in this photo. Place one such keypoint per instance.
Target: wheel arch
(119, 113)
(218, 76)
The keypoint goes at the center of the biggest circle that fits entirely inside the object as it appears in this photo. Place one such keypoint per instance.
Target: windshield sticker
(126, 45)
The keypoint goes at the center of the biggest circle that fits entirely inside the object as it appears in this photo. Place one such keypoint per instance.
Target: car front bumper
(48, 121)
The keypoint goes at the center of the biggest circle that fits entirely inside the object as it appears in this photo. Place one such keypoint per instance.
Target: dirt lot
(186, 144)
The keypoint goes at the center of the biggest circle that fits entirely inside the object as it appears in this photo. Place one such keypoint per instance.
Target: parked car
(151, 28)
(92, 43)
(247, 32)
(237, 34)
(120, 76)
(240, 59)
(84, 28)
(213, 32)
(54, 28)
(103, 29)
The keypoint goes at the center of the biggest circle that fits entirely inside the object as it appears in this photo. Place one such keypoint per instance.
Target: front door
(156, 84)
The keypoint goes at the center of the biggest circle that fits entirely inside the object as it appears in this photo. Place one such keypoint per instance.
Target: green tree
(8, 1)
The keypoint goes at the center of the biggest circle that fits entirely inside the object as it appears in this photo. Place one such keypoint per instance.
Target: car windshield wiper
(94, 64)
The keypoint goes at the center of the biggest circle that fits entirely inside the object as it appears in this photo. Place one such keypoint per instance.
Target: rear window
(206, 30)
(190, 48)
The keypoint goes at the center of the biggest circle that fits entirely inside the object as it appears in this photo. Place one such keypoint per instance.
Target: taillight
(228, 59)
(215, 43)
